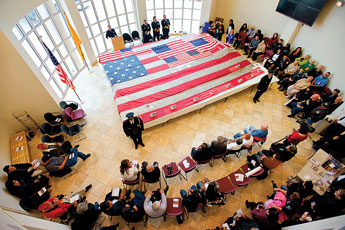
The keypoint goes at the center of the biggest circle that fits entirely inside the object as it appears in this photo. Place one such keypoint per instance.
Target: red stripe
(158, 68)
(149, 60)
(180, 88)
(143, 52)
(174, 76)
(201, 96)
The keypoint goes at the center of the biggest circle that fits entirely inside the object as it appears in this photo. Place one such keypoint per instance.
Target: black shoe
(117, 225)
(128, 193)
(87, 156)
(247, 204)
(245, 54)
(77, 146)
(291, 115)
(49, 186)
(254, 100)
(258, 100)
(142, 144)
(136, 146)
(87, 188)
(166, 189)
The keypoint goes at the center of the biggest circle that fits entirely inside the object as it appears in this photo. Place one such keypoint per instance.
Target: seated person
(337, 183)
(55, 207)
(278, 45)
(211, 190)
(298, 86)
(305, 106)
(272, 41)
(156, 208)
(284, 84)
(286, 49)
(151, 172)
(247, 140)
(86, 216)
(252, 32)
(192, 199)
(240, 221)
(332, 144)
(218, 146)
(318, 113)
(284, 152)
(265, 159)
(280, 64)
(260, 50)
(302, 95)
(26, 187)
(114, 209)
(288, 71)
(297, 136)
(201, 153)
(241, 38)
(316, 71)
(234, 144)
(337, 127)
(330, 204)
(303, 60)
(320, 82)
(275, 58)
(308, 66)
(260, 133)
(20, 171)
(134, 209)
(54, 164)
(251, 46)
(129, 170)
(266, 219)
(304, 188)
(330, 98)
(333, 106)
(295, 54)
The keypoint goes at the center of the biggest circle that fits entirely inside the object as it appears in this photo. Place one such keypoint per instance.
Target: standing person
(156, 27)
(231, 37)
(165, 27)
(263, 85)
(219, 31)
(230, 27)
(146, 28)
(133, 127)
(110, 33)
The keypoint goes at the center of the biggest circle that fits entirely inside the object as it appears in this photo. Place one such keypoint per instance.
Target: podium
(118, 43)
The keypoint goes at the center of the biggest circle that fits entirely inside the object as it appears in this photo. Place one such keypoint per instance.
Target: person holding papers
(113, 205)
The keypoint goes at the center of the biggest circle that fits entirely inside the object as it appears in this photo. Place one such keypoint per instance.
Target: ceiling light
(340, 3)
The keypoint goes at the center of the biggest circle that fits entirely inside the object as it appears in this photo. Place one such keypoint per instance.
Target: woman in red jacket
(54, 208)
(272, 40)
(297, 136)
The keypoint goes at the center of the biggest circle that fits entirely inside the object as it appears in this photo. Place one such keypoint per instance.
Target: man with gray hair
(86, 215)
(156, 208)
(219, 146)
(260, 133)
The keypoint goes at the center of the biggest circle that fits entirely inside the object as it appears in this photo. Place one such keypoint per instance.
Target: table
(118, 43)
(19, 148)
(321, 169)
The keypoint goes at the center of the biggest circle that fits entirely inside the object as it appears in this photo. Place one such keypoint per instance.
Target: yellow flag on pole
(75, 38)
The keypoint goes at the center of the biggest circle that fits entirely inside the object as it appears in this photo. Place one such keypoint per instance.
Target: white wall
(325, 42)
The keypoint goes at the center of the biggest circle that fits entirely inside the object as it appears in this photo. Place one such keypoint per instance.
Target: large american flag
(157, 79)
(63, 76)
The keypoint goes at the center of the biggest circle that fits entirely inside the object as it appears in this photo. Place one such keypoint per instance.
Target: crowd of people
(303, 83)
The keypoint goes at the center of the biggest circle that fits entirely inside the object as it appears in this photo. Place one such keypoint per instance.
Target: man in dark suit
(110, 33)
(146, 28)
(133, 127)
(201, 153)
(263, 85)
(156, 27)
(218, 146)
(165, 27)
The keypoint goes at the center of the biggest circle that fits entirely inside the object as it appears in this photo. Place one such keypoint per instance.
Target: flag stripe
(177, 89)
(146, 117)
(173, 76)
(158, 69)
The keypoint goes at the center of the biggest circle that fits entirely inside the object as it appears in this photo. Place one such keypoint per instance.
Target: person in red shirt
(54, 208)
(297, 136)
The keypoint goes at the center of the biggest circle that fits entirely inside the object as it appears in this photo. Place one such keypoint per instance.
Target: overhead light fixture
(340, 3)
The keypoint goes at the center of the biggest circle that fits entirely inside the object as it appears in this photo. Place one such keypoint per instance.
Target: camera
(305, 125)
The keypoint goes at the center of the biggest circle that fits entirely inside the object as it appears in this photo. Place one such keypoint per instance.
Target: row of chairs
(130, 39)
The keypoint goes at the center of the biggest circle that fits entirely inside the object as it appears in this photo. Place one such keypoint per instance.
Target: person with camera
(305, 106)
(201, 153)
(297, 136)
(129, 170)
(157, 207)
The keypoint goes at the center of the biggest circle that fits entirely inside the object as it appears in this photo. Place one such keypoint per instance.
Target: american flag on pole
(63, 76)
(159, 80)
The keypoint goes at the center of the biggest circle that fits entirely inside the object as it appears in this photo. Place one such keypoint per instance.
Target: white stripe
(179, 81)
(145, 56)
(154, 64)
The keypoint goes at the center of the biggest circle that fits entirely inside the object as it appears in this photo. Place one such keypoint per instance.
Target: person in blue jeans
(73, 157)
(260, 133)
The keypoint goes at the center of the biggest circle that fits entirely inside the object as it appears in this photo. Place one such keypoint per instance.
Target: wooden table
(321, 175)
(19, 148)
(118, 43)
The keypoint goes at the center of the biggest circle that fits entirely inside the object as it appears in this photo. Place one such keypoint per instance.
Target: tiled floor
(172, 142)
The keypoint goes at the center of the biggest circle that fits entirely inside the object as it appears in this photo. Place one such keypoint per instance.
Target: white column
(290, 31)
(141, 12)
(205, 11)
(71, 10)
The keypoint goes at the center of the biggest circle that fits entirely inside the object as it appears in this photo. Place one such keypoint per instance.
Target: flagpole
(82, 102)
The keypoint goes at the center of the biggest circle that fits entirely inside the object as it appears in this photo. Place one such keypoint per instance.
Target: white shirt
(233, 146)
(131, 175)
(247, 143)
(341, 122)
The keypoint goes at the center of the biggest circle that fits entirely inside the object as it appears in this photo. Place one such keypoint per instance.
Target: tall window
(184, 15)
(98, 14)
(47, 21)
